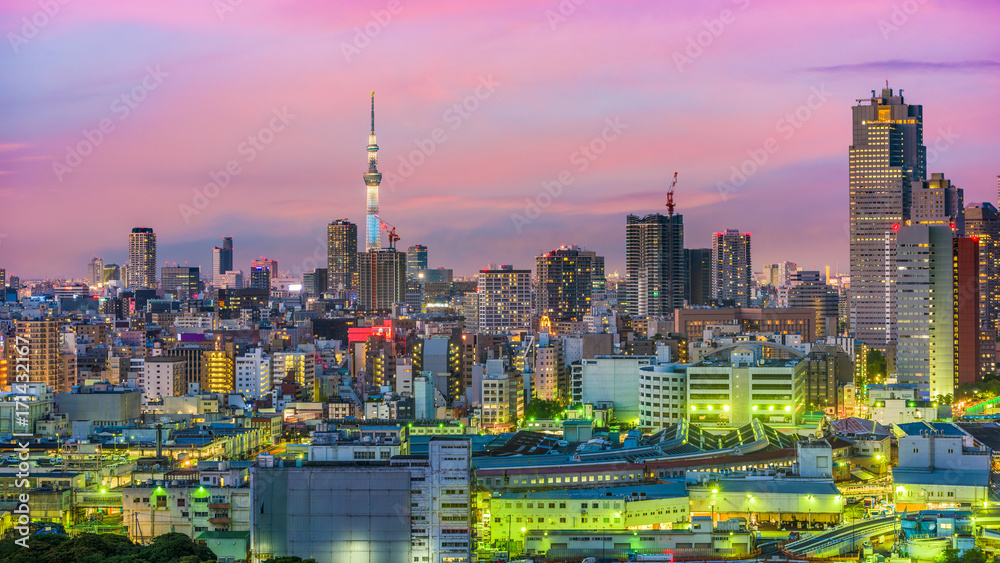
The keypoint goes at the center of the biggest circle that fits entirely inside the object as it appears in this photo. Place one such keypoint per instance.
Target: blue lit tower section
(372, 179)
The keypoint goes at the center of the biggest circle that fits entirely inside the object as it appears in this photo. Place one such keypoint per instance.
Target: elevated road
(843, 539)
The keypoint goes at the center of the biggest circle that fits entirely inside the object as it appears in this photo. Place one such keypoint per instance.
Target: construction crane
(670, 197)
(393, 237)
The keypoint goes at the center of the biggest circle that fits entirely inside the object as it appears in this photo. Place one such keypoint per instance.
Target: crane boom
(670, 197)
(393, 237)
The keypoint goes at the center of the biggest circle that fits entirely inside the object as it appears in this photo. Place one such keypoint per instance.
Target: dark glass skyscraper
(222, 258)
(342, 256)
(416, 259)
(887, 155)
(654, 265)
(565, 283)
(699, 278)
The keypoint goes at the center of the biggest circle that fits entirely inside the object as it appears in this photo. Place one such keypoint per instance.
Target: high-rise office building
(314, 282)
(565, 283)
(698, 286)
(372, 179)
(887, 155)
(982, 222)
(780, 275)
(142, 259)
(416, 259)
(654, 265)
(925, 306)
(262, 271)
(42, 340)
(3, 278)
(808, 289)
(504, 300)
(965, 284)
(181, 281)
(937, 202)
(381, 279)
(112, 272)
(222, 258)
(731, 268)
(342, 256)
(95, 272)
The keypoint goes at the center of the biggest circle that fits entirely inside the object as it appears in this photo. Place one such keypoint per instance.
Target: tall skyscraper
(416, 259)
(698, 283)
(654, 265)
(342, 256)
(982, 222)
(180, 281)
(372, 179)
(260, 277)
(565, 283)
(809, 290)
(262, 271)
(731, 268)
(3, 278)
(937, 202)
(965, 276)
(95, 272)
(925, 295)
(381, 279)
(141, 259)
(222, 258)
(112, 272)
(887, 155)
(504, 300)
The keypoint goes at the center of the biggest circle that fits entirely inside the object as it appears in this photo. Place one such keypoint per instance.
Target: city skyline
(470, 184)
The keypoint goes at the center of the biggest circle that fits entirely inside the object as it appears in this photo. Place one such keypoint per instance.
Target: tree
(105, 548)
(875, 366)
(975, 555)
(543, 408)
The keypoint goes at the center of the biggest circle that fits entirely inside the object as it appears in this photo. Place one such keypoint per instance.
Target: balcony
(218, 505)
(219, 521)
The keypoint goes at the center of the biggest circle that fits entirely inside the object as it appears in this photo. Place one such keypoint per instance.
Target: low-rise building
(186, 506)
(102, 403)
(512, 516)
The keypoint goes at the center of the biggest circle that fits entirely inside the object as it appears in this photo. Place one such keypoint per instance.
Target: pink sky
(559, 72)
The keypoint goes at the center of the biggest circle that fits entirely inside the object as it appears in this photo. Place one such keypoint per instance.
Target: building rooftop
(784, 485)
(915, 428)
(948, 477)
(666, 489)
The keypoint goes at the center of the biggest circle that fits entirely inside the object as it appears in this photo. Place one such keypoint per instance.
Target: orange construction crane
(670, 197)
(393, 237)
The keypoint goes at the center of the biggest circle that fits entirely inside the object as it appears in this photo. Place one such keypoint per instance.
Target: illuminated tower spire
(372, 179)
